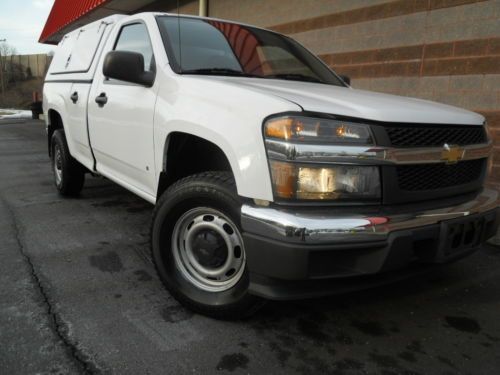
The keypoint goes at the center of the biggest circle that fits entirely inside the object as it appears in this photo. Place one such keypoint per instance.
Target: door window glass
(135, 38)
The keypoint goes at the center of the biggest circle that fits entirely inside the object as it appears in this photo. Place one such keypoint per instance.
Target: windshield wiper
(220, 72)
(294, 77)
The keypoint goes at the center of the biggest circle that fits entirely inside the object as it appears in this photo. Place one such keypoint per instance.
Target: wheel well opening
(186, 155)
(55, 123)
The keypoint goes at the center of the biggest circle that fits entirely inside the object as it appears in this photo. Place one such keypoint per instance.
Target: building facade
(442, 50)
(32, 66)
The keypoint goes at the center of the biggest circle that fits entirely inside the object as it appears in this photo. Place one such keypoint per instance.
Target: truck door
(121, 118)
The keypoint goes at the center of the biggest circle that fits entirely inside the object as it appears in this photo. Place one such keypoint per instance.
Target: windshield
(198, 46)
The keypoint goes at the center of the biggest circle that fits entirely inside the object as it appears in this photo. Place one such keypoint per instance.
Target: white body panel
(79, 52)
(129, 135)
(122, 130)
(362, 104)
(225, 115)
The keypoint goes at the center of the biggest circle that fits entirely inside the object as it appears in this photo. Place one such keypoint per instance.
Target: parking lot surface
(80, 295)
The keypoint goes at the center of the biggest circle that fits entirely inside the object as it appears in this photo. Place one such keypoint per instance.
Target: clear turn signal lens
(341, 182)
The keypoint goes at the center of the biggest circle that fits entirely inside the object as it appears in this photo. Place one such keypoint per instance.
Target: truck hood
(350, 102)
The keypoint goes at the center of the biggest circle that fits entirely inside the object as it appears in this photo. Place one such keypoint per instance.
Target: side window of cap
(135, 38)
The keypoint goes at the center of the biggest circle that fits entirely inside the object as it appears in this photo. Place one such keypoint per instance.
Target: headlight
(308, 180)
(316, 130)
(340, 182)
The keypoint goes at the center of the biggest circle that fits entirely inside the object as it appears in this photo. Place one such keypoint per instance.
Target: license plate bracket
(463, 235)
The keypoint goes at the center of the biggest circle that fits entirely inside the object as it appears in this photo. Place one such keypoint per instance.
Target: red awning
(64, 12)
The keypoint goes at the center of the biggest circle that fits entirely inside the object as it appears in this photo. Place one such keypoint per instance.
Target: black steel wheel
(198, 249)
(69, 175)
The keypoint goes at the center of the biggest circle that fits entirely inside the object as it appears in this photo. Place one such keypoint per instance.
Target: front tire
(69, 175)
(198, 249)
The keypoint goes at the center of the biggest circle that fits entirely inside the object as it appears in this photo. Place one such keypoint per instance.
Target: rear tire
(197, 247)
(69, 175)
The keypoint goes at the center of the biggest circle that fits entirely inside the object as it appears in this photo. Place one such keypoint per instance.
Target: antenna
(179, 35)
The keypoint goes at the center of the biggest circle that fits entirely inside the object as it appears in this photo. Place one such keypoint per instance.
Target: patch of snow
(14, 113)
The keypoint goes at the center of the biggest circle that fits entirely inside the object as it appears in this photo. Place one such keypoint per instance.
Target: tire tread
(219, 181)
(74, 173)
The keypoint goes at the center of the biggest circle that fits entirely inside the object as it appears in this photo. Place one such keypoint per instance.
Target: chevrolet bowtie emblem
(452, 154)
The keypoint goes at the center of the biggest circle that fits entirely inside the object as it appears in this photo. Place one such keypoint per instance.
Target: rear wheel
(198, 249)
(69, 175)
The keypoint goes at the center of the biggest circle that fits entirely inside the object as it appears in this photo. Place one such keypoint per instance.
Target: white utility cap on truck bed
(78, 49)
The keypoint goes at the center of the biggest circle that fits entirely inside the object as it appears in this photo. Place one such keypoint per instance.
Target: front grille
(438, 176)
(436, 136)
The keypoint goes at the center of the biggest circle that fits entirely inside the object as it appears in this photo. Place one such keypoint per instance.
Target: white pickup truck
(272, 177)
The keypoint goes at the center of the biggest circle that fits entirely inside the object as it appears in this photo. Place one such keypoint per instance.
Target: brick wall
(185, 7)
(442, 50)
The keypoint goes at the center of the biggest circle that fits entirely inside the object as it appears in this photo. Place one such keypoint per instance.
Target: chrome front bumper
(338, 226)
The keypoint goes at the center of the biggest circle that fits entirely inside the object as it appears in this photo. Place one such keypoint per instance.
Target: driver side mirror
(127, 66)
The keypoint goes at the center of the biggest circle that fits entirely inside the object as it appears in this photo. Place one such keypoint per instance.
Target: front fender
(231, 119)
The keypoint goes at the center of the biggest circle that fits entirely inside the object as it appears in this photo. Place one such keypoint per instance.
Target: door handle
(74, 97)
(101, 99)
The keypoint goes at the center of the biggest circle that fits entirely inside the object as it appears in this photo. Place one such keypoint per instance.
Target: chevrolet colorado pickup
(271, 177)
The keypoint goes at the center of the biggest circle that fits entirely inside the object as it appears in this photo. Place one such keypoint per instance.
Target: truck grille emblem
(452, 154)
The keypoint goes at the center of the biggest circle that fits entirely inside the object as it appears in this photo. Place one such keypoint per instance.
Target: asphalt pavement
(79, 295)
